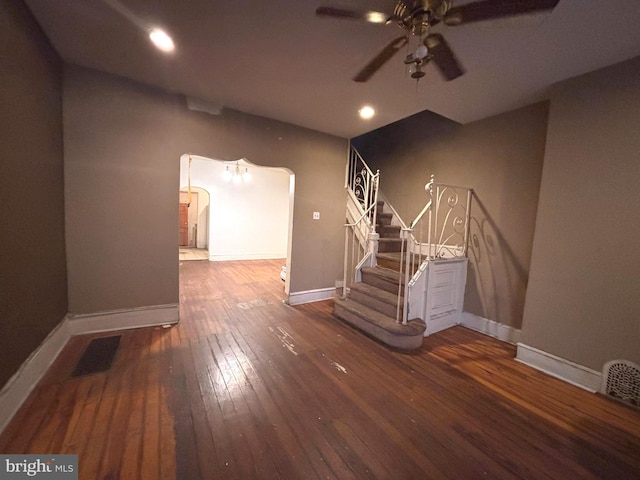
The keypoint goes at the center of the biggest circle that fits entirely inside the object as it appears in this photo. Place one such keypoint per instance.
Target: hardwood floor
(248, 387)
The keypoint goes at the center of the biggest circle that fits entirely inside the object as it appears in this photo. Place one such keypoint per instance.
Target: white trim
(125, 319)
(561, 368)
(21, 384)
(506, 333)
(308, 296)
(441, 322)
(246, 256)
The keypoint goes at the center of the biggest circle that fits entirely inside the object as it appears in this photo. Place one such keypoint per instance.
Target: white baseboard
(492, 328)
(124, 319)
(247, 256)
(308, 296)
(561, 368)
(22, 383)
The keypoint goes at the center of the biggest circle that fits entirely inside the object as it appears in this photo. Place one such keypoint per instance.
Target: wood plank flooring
(248, 387)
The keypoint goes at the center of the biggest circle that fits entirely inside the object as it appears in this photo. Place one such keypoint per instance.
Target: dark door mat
(98, 356)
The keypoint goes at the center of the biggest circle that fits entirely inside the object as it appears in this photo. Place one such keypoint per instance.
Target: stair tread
(396, 256)
(414, 326)
(393, 261)
(377, 293)
(384, 273)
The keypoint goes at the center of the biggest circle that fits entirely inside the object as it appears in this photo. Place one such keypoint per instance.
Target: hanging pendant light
(227, 175)
(236, 173)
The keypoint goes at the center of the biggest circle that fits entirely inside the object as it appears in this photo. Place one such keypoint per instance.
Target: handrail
(459, 187)
(421, 214)
(357, 154)
(393, 210)
(364, 215)
(428, 187)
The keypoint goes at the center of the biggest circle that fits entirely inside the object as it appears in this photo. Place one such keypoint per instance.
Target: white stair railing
(360, 244)
(439, 231)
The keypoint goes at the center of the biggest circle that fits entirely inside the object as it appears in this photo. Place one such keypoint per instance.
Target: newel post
(372, 249)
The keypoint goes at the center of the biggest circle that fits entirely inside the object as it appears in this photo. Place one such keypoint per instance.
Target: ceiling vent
(621, 380)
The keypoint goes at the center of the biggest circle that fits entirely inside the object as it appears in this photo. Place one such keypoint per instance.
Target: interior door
(184, 225)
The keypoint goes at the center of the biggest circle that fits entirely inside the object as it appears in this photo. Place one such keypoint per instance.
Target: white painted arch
(247, 220)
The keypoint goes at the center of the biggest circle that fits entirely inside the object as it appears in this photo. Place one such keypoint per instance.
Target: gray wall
(501, 159)
(122, 147)
(33, 282)
(583, 300)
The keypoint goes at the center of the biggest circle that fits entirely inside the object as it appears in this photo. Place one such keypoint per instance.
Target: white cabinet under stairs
(439, 294)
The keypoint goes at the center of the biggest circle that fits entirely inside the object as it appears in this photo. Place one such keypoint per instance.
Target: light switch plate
(316, 215)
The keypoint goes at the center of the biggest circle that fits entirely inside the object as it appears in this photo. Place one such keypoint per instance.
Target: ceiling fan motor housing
(418, 15)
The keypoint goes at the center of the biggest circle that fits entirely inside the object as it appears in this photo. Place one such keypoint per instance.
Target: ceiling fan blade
(367, 15)
(491, 9)
(443, 56)
(379, 60)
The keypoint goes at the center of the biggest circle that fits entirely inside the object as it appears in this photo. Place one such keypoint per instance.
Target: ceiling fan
(417, 17)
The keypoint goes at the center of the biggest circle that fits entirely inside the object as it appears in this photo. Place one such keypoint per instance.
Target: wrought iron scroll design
(450, 224)
(362, 182)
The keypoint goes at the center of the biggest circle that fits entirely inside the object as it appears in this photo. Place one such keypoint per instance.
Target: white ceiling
(277, 59)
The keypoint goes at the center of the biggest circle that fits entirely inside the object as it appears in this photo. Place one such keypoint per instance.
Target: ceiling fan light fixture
(162, 40)
(421, 52)
(366, 112)
(376, 17)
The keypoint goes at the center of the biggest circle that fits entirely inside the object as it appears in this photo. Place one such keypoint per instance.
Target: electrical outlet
(316, 215)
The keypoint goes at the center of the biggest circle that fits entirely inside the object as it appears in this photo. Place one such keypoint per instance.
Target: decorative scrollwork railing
(439, 231)
(362, 208)
(362, 183)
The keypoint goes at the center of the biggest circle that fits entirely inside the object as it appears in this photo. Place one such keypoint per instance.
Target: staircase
(373, 304)
(402, 281)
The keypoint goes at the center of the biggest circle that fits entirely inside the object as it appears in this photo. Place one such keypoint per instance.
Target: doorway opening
(249, 216)
(193, 225)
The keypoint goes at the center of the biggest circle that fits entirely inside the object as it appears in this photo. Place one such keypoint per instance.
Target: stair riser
(394, 265)
(403, 341)
(392, 234)
(381, 283)
(384, 218)
(390, 264)
(390, 246)
(388, 229)
(378, 305)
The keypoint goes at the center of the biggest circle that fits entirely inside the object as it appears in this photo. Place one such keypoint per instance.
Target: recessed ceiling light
(366, 112)
(162, 40)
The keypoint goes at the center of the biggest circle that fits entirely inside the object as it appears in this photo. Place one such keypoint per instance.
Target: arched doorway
(247, 219)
